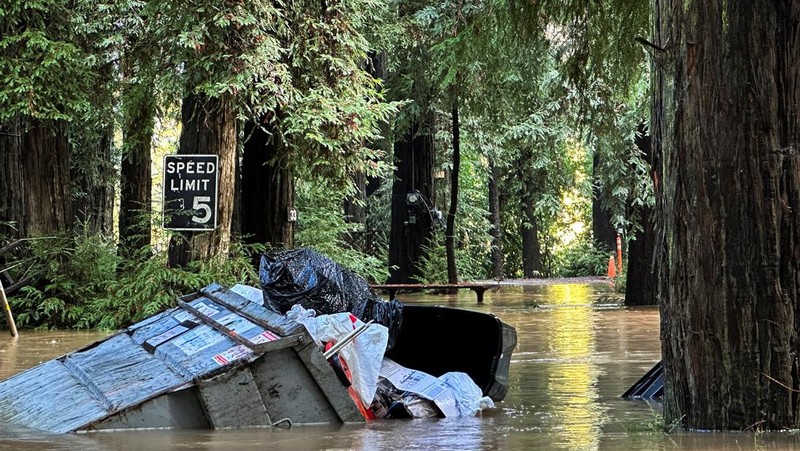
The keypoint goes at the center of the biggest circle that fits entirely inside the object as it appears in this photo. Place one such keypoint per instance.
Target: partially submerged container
(435, 340)
(438, 340)
(230, 358)
(218, 360)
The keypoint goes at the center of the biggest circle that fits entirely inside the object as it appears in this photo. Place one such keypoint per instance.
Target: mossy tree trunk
(12, 183)
(138, 122)
(498, 260)
(532, 263)
(450, 231)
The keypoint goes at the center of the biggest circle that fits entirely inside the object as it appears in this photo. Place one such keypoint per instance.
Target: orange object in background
(612, 267)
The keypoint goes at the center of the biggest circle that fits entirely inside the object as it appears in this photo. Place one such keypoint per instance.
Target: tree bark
(35, 185)
(725, 128)
(135, 176)
(267, 190)
(355, 211)
(12, 182)
(531, 249)
(209, 127)
(603, 231)
(532, 265)
(497, 225)
(411, 227)
(450, 232)
(640, 279)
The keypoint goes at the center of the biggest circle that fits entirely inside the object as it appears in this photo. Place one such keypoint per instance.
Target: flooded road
(577, 351)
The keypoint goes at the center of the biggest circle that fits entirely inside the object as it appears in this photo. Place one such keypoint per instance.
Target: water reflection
(572, 375)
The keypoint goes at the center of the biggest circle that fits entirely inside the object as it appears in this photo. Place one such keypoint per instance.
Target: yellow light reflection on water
(573, 376)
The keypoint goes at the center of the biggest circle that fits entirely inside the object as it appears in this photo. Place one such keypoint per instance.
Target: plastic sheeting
(314, 281)
(363, 356)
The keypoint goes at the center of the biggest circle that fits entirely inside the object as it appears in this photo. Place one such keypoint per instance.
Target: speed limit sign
(190, 192)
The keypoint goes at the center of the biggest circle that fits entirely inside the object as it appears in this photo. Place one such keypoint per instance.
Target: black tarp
(306, 277)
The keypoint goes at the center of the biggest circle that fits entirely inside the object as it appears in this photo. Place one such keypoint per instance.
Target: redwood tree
(267, 189)
(34, 155)
(725, 122)
(47, 80)
(138, 123)
(412, 226)
(641, 278)
(496, 223)
(208, 127)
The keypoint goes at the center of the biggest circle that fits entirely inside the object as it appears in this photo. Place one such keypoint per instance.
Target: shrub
(581, 258)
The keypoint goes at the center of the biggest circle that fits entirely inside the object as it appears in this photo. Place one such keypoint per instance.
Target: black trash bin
(438, 340)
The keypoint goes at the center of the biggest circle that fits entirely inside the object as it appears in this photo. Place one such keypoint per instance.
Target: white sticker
(166, 336)
(236, 323)
(183, 315)
(232, 354)
(206, 309)
(198, 339)
(264, 337)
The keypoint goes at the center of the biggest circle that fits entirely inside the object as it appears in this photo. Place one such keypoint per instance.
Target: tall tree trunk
(603, 231)
(236, 220)
(641, 278)
(497, 225)
(209, 127)
(12, 181)
(532, 264)
(93, 171)
(47, 200)
(135, 176)
(267, 190)
(531, 249)
(726, 117)
(411, 226)
(450, 232)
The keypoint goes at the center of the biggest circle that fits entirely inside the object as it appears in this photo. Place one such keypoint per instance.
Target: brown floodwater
(578, 350)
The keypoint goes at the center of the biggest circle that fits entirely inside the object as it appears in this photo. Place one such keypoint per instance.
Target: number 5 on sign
(201, 203)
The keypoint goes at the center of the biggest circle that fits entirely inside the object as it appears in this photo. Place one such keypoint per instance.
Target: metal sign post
(191, 190)
(12, 327)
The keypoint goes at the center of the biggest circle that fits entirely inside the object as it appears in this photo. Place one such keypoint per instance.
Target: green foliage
(540, 87)
(581, 258)
(433, 264)
(83, 283)
(623, 175)
(45, 72)
(321, 225)
(147, 286)
(72, 270)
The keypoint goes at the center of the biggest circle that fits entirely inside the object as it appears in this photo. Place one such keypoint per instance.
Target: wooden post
(12, 327)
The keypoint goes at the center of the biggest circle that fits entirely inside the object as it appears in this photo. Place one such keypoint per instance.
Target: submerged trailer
(217, 360)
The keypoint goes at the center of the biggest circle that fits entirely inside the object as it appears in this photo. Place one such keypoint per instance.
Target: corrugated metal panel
(153, 357)
(121, 373)
(50, 398)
